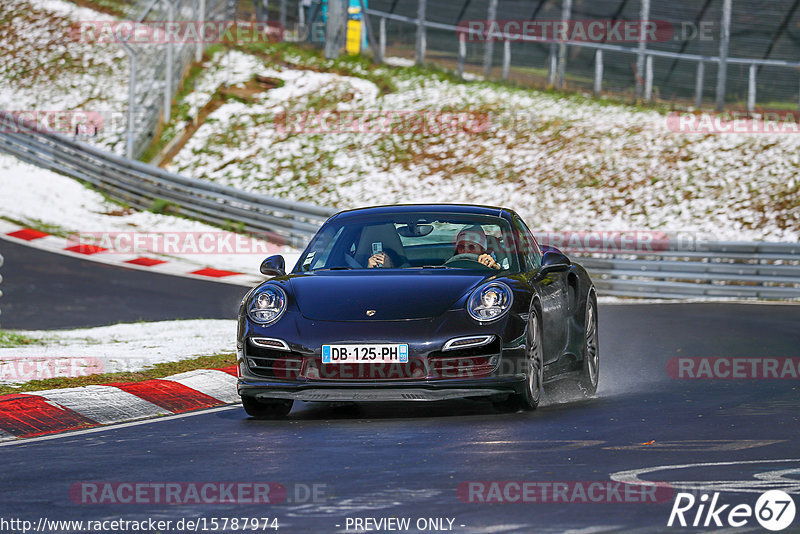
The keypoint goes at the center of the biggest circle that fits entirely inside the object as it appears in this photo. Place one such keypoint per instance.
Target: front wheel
(591, 350)
(270, 409)
(534, 371)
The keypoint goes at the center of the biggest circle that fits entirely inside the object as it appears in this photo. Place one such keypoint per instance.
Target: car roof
(413, 208)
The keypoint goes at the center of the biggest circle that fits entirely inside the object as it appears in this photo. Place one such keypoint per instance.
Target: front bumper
(293, 368)
(378, 392)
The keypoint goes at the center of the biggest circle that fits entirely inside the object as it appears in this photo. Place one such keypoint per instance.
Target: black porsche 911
(417, 303)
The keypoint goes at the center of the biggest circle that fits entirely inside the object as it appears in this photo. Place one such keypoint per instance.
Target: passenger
(386, 259)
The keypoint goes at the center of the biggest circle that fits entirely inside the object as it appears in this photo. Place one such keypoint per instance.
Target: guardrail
(717, 269)
(140, 185)
(675, 270)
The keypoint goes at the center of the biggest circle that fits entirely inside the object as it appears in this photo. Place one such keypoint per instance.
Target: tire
(271, 409)
(534, 371)
(590, 372)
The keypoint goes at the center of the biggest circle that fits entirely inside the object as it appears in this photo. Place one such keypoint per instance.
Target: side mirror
(554, 261)
(274, 266)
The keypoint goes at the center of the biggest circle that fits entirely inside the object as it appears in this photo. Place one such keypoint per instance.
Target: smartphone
(377, 247)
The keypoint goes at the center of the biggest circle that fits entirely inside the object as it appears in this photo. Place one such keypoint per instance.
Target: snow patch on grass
(563, 162)
(45, 200)
(47, 69)
(126, 347)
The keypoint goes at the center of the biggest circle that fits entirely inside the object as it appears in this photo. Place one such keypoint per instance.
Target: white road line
(632, 476)
(104, 404)
(27, 441)
(217, 384)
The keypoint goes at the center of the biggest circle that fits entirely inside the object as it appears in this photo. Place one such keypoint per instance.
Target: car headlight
(490, 301)
(267, 304)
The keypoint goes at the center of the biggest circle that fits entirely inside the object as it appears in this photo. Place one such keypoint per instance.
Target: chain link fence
(739, 54)
(157, 69)
(763, 51)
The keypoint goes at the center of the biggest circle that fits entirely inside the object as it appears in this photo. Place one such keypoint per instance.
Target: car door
(553, 294)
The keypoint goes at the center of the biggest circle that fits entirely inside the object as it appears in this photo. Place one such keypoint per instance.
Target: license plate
(393, 353)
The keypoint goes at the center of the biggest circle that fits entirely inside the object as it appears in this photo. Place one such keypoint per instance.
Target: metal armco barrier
(140, 185)
(674, 270)
(707, 269)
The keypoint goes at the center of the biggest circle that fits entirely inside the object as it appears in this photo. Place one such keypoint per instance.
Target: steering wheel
(465, 261)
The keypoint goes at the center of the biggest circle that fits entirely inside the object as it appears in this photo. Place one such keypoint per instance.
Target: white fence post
(552, 67)
(383, 37)
(566, 15)
(724, 41)
(421, 41)
(506, 58)
(199, 52)
(489, 52)
(698, 84)
(462, 53)
(751, 89)
(335, 28)
(131, 99)
(644, 16)
(170, 65)
(301, 21)
(598, 71)
(648, 79)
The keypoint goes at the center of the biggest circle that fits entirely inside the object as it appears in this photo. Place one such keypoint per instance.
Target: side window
(530, 249)
(320, 250)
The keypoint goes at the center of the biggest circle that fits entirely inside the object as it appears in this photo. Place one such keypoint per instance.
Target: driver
(472, 240)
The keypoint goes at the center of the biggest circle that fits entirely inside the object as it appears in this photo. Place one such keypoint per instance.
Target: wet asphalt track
(407, 460)
(43, 290)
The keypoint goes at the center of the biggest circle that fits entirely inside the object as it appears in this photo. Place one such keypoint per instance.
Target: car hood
(393, 295)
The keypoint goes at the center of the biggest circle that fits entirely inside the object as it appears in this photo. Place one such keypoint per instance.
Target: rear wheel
(272, 408)
(534, 371)
(591, 350)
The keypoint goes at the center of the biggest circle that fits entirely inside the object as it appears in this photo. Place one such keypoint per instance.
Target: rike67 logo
(774, 510)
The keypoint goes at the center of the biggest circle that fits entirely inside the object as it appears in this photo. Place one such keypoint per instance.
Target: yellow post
(353, 44)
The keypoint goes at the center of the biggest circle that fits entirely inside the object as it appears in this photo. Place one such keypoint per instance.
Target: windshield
(412, 241)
